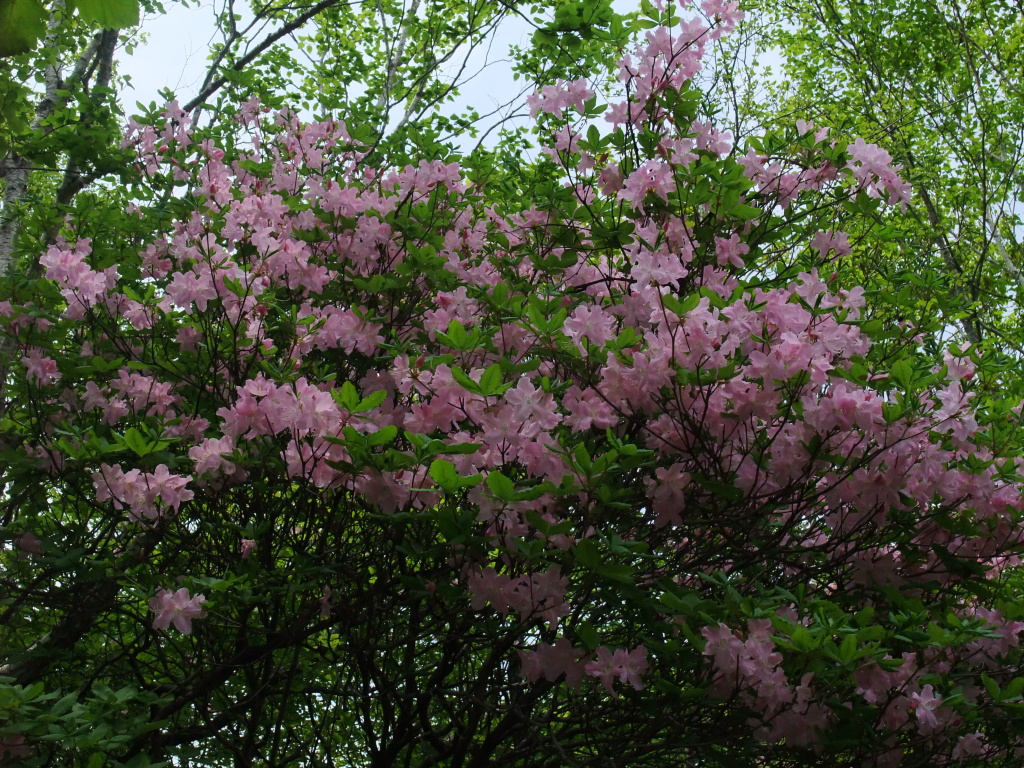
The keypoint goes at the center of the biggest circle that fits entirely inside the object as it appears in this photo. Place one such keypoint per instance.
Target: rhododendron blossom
(500, 476)
(177, 608)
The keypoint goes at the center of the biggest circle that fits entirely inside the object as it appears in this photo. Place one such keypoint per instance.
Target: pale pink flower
(176, 608)
(631, 665)
(170, 488)
(627, 666)
(209, 456)
(970, 745)
(604, 667)
(553, 661)
(29, 544)
(924, 705)
(42, 369)
(731, 251)
(14, 746)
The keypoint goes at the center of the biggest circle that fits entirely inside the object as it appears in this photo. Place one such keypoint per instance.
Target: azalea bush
(313, 462)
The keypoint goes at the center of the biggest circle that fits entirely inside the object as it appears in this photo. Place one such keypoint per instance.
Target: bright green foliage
(22, 23)
(388, 666)
(938, 84)
(109, 14)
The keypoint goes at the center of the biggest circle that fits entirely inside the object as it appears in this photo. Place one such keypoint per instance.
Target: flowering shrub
(623, 468)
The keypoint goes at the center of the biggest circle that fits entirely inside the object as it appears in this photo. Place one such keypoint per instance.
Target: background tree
(395, 65)
(936, 85)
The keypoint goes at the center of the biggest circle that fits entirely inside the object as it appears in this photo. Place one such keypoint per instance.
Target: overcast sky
(175, 56)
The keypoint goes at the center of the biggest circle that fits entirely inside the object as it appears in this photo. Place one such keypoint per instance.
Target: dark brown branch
(88, 601)
(246, 60)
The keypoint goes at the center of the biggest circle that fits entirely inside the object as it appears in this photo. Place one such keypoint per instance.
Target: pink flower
(555, 98)
(248, 545)
(176, 608)
(587, 409)
(42, 369)
(209, 456)
(731, 251)
(725, 14)
(14, 746)
(29, 544)
(170, 488)
(631, 665)
(593, 322)
(604, 667)
(970, 745)
(553, 661)
(924, 705)
(627, 666)
(823, 242)
(188, 288)
(652, 176)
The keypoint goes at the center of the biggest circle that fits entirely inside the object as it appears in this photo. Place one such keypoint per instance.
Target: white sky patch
(173, 53)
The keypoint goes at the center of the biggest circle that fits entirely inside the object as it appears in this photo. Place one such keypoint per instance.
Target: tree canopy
(680, 428)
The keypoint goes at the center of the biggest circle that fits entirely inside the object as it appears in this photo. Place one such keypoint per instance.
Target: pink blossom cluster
(903, 701)
(40, 368)
(872, 167)
(538, 595)
(615, 419)
(153, 145)
(624, 665)
(751, 666)
(178, 608)
(83, 286)
(146, 495)
(552, 661)
(554, 99)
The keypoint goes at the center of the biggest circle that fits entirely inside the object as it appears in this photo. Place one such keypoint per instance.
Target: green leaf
(500, 294)
(991, 686)
(384, 436)
(463, 380)
(370, 402)
(22, 24)
(848, 649)
(109, 14)
(457, 337)
(260, 170)
(902, 373)
(443, 473)
(872, 634)
(501, 486)
(864, 616)
(588, 635)
(461, 448)
(1014, 689)
(744, 212)
(617, 572)
(961, 566)
(802, 639)
(347, 396)
(587, 554)
(491, 381)
(134, 441)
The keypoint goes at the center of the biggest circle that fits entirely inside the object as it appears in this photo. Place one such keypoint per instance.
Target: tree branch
(215, 85)
(88, 601)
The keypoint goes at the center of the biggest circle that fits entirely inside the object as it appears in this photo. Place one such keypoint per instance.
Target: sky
(174, 55)
(174, 50)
